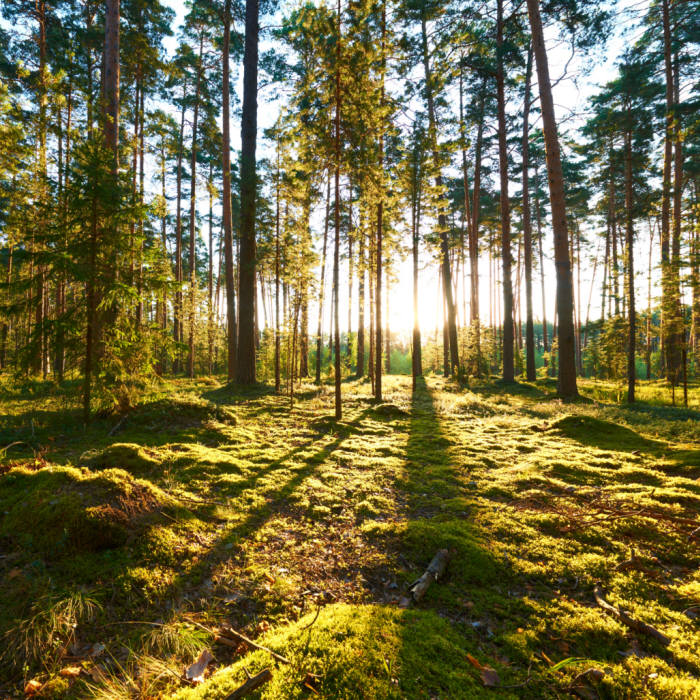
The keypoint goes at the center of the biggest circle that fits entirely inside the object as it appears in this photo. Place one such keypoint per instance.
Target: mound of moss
(133, 458)
(356, 651)
(60, 510)
(181, 411)
(601, 433)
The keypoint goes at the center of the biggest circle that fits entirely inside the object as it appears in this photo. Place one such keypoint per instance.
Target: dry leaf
(32, 687)
(474, 662)
(195, 672)
(70, 671)
(14, 573)
(489, 677)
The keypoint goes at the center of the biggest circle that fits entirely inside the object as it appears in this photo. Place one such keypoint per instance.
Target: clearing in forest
(130, 548)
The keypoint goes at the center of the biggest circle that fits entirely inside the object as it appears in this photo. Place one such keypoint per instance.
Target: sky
(571, 94)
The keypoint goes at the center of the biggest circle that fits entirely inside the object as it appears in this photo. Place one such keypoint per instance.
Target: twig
(118, 425)
(250, 685)
(242, 638)
(626, 619)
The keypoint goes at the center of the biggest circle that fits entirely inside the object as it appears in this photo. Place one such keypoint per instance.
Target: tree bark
(506, 257)
(226, 196)
(567, 360)
(193, 211)
(632, 317)
(442, 220)
(527, 229)
(245, 370)
(319, 331)
(336, 252)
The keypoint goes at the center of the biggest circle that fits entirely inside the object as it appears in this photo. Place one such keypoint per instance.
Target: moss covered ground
(126, 546)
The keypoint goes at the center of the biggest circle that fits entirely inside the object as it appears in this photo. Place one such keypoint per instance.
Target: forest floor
(126, 547)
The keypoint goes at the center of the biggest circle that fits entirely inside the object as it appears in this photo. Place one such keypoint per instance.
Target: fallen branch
(433, 573)
(635, 562)
(118, 425)
(230, 632)
(251, 684)
(626, 619)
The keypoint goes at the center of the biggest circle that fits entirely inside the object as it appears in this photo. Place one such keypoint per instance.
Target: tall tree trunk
(322, 285)
(277, 270)
(567, 359)
(380, 234)
(632, 317)
(527, 230)
(177, 320)
(336, 251)
(538, 216)
(210, 279)
(362, 299)
(442, 220)
(417, 360)
(350, 274)
(668, 281)
(245, 371)
(506, 257)
(647, 348)
(474, 235)
(226, 198)
(193, 212)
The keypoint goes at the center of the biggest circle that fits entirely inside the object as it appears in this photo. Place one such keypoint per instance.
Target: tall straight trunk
(678, 319)
(362, 299)
(370, 270)
(304, 309)
(417, 360)
(177, 321)
(210, 279)
(5, 327)
(668, 281)
(647, 348)
(695, 275)
(565, 303)
(465, 185)
(193, 211)
(142, 174)
(90, 312)
(350, 273)
(615, 271)
(590, 297)
(111, 81)
(38, 359)
(442, 220)
(322, 285)
(226, 197)
(387, 329)
(336, 218)
(606, 261)
(506, 257)
(538, 216)
(632, 322)
(474, 234)
(277, 271)
(380, 236)
(245, 370)
(527, 230)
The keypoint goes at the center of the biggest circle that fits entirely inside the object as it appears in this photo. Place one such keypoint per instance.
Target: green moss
(59, 510)
(283, 510)
(362, 652)
(122, 455)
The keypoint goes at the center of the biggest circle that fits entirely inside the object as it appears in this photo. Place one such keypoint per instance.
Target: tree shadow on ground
(437, 516)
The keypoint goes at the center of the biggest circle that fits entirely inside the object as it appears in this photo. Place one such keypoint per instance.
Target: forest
(349, 349)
